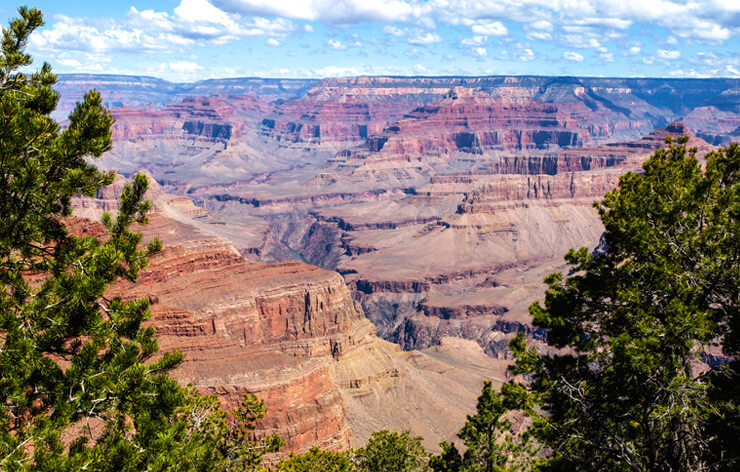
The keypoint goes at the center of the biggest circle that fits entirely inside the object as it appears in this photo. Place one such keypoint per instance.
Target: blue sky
(186, 40)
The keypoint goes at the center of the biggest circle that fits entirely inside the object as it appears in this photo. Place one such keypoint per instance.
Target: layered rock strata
(432, 196)
(442, 201)
(288, 332)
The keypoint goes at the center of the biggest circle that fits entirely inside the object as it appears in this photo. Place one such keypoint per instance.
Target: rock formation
(364, 175)
(288, 332)
(442, 202)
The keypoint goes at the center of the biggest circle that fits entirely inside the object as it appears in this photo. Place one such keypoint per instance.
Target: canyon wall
(288, 332)
(434, 207)
(442, 201)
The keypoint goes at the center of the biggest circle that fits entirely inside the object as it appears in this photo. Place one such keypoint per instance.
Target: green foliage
(449, 461)
(239, 450)
(316, 460)
(629, 391)
(490, 444)
(391, 451)
(80, 388)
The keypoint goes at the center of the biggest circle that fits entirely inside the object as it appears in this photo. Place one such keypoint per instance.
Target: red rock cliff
(252, 328)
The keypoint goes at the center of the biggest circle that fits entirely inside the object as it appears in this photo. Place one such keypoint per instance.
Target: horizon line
(390, 76)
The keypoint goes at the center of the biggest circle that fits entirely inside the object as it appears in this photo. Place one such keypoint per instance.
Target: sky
(188, 40)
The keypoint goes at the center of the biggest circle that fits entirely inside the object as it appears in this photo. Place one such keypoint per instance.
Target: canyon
(358, 251)
(290, 333)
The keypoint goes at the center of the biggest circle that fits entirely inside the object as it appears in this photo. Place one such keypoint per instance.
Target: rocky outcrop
(310, 121)
(246, 327)
(608, 162)
(480, 133)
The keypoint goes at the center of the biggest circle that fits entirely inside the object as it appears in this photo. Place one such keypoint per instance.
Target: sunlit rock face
(288, 332)
(442, 201)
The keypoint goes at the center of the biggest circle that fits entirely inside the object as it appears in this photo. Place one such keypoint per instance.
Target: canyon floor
(359, 251)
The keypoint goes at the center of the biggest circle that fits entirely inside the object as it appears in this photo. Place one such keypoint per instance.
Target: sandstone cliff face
(273, 330)
(470, 121)
(288, 332)
(252, 328)
(215, 119)
(312, 120)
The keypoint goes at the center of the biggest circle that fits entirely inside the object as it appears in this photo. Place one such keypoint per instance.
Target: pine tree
(391, 451)
(80, 388)
(634, 387)
(316, 460)
(490, 444)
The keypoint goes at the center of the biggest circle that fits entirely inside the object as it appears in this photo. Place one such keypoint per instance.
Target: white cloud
(474, 41)
(184, 67)
(540, 25)
(336, 45)
(705, 31)
(200, 11)
(667, 54)
(539, 30)
(193, 22)
(688, 73)
(616, 23)
(394, 30)
(334, 71)
(494, 28)
(706, 20)
(482, 52)
(177, 70)
(539, 35)
(526, 55)
(573, 56)
(581, 41)
(337, 11)
(425, 39)
(733, 71)
(69, 62)
(413, 52)
(577, 25)
(715, 64)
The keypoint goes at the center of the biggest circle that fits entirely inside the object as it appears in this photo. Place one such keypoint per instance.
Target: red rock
(253, 328)
(215, 119)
